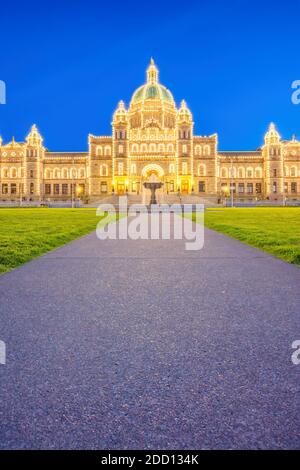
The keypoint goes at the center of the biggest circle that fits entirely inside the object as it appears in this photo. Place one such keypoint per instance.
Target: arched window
(249, 172)
(198, 150)
(224, 172)
(152, 148)
(161, 148)
(144, 148)
(120, 169)
(184, 168)
(184, 148)
(293, 171)
(172, 169)
(103, 170)
(56, 173)
(201, 170)
(99, 151)
(133, 169)
(286, 171)
(135, 148)
(120, 149)
(65, 173)
(241, 172)
(81, 173)
(4, 173)
(258, 172)
(107, 150)
(47, 173)
(13, 172)
(206, 150)
(73, 173)
(170, 148)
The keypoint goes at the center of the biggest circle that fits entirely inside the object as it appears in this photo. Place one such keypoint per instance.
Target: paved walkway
(141, 344)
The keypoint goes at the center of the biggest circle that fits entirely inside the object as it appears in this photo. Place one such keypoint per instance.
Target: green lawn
(27, 233)
(275, 230)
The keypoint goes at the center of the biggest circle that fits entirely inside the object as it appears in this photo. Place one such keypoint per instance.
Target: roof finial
(152, 73)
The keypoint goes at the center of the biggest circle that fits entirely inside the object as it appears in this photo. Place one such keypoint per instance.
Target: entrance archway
(147, 172)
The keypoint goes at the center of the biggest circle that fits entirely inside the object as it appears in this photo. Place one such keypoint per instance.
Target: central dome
(152, 90)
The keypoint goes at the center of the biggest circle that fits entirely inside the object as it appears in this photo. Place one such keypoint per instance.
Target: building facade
(151, 136)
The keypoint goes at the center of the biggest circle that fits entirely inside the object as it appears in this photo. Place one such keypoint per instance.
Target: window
(201, 186)
(56, 173)
(201, 170)
(107, 151)
(135, 148)
(274, 187)
(241, 173)
(31, 174)
(31, 188)
(275, 173)
(152, 148)
(99, 151)
(13, 172)
(170, 148)
(206, 150)
(81, 173)
(198, 150)
(293, 187)
(293, 171)
(47, 189)
(172, 169)
(233, 188)
(64, 188)
(250, 188)
(133, 169)
(184, 149)
(258, 172)
(249, 173)
(103, 170)
(184, 168)
(144, 148)
(286, 187)
(258, 188)
(103, 187)
(224, 172)
(5, 173)
(56, 189)
(241, 188)
(120, 169)
(47, 174)
(4, 188)
(120, 148)
(161, 148)
(13, 188)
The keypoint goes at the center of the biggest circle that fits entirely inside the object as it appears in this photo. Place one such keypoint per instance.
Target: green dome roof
(152, 91)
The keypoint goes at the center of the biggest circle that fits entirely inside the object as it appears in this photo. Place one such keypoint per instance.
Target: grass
(28, 233)
(274, 230)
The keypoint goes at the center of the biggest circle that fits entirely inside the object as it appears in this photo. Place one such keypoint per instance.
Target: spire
(34, 138)
(152, 73)
(272, 136)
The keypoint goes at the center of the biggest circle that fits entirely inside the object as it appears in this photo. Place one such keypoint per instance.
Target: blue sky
(67, 64)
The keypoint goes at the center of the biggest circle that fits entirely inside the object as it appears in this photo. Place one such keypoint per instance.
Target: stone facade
(151, 136)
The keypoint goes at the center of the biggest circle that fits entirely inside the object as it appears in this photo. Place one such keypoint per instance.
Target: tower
(273, 164)
(185, 148)
(33, 167)
(120, 149)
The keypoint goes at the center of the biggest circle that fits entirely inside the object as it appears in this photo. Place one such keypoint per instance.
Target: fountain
(153, 184)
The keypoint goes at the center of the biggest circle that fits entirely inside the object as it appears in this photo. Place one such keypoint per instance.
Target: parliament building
(151, 136)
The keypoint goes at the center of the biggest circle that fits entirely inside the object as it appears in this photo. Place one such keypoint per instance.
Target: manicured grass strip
(28, 233)
(274, 230)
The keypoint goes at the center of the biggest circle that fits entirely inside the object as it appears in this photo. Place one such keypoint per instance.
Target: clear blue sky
(67, 64)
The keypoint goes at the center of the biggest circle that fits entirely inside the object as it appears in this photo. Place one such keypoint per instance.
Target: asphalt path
(125, 344)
